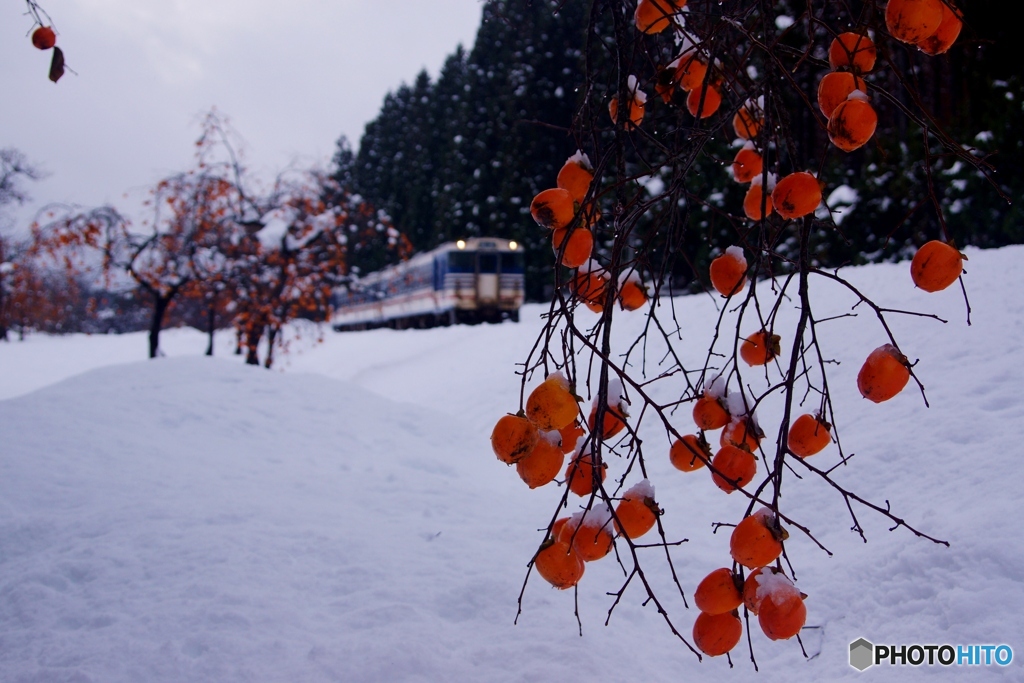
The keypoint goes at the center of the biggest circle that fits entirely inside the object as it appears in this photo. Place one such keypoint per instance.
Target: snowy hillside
(343, 518)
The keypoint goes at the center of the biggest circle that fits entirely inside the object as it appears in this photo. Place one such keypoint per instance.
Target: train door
(487, 279)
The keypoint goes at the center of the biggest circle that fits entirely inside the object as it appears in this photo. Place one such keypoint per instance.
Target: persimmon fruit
(746, 124)
(690, 72)
(636, 513)
(579, 474)
(751, 599)
(796, 195)
(541, 465)
(884, 374)
(835, 88)
(782, 613)
(742, 433)
(733, 468)
(553, 208)
(712, 101)
(559, 564)
(571, 435)
(716, 634)
(852, 123)
(760, 348)
(936, 265)
(551, 405)
(746, 164)
(709, 413)
(752, 202)
(808, 435)
(575, 176)
(654, 16)
(729, 272)
(689, 453)
(44, 38)
(854, 51)
(754, 542)
(945, 35)
(591, 540)
(632, 295)
(718, 592)
(911, 21)
(513, 438)
(578, 245)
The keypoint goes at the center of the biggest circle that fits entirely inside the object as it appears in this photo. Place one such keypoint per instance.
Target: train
(473, 280)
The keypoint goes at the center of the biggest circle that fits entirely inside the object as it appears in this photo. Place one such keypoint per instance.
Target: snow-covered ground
(343, 518)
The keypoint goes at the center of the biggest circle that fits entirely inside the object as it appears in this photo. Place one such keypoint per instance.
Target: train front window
(512, 263)
(488, 263)
(461, 262)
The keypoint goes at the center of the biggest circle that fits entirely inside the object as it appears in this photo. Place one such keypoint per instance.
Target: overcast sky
(292, 76)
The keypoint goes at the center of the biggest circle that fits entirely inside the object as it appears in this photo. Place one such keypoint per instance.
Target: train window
(512, 263)
(461, 262)
(488, 263)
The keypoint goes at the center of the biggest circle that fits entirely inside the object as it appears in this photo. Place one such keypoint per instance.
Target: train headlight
(513, 245)
(461, 244)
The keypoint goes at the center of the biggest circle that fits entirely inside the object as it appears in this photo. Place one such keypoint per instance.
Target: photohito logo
(864, 654)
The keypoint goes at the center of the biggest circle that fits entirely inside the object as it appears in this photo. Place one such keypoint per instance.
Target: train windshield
(461, 262)
(488, 263)
(512, 263)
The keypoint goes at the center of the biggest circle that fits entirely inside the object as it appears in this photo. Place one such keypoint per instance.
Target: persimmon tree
(787, 97)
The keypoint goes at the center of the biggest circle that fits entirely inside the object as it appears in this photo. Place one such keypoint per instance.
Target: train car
(479, 279)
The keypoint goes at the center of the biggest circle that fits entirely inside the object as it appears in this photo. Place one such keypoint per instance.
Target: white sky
(292, 76)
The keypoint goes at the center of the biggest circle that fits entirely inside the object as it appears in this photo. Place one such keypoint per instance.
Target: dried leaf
(57, 65)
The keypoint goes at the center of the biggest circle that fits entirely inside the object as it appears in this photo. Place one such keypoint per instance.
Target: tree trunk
(159, 309)
(252, 343)
(238, 340)
(271, 338)
(209, 329)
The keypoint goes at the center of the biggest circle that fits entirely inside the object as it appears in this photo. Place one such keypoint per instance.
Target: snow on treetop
(737, 253)
(718, 388)
(758, 179)
(641, 490)
(737, 403)
(580, 159)
(776, 586)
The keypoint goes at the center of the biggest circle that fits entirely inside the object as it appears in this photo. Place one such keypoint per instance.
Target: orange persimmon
(852, 50)
(712, 101)
(541, 465)
(513, 438)
(796, 195)
(808, 435)
(690, 453)
(716, 634)
(551, 405)
(743, 433)
(575, 176)
(559, 564)
(709, 413)
(945, 35)
(44, 38)
(756, 540)
(835, 88)
(911, 21)
(747, 164)
(936, 265)
(760, 348)
(746, 124)
(579, 474)
(733, 468)
(632, 295)
(553, 209)
(654, 16)
(884, 374)
(852, 123)
(781, 612)
(752, 201)
(637, 513)
(718, 592)
(570, 436)
(579, 245)
(690, 72)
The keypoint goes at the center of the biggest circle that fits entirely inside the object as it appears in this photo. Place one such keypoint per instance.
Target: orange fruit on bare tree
(637, 513)
(750, 597)
(936, 265)
(729, 272)
(588, 284)
(576, 175)
(742, 432)
(835, 88)
(690, 71)
(854, 51)
(760, 348)
(747, 164)
(579, 245)
(552, 405)
(571, 436)
(757, 540)
(716, 634)
(541, 465)
(579, 474)
(712, 100)
(756, 196)
(945, 35)
(781, 612)
(557, 527)
(590, 533)
(614, 420)
(709, 413)
(44, 38)
(654, 16)
(796, 195)
(553, 209)
(632, 294)
(911, 21)
(513, 438)
(690, 453)
(718, 592)
(638, 101)
(747, 122)
(852, 123)
(733, 468)
(559, 564)
(808, 435)
(884, 374)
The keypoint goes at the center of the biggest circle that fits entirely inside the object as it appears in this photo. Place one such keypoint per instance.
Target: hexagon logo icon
(862, 654)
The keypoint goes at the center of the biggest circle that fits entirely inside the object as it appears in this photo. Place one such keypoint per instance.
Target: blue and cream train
(479, 279)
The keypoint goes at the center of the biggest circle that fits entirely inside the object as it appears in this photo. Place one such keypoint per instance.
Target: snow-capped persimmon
(590, 533)
(654, 16)
(854, 51)
(557, 527)
(709, 413)
(760, 348)
(579, 474)
(852, 123)
(945, 35)
(884, 374)
(716, 634)
(588, 284)
(781, 611)
(638, 100)
(746, 124)
(753, 199)
(718, 592)
(742, 432)
(513, 438)
(614, 420)
(559, 564)
(712, 100)
(44, 38)
(690, 453)
(571, 436)
(729, 272)
(553, 208)
(911, 21)
(808, 435)
(936, 265)
(632, 294)
(835, 88)
(796, 195)
(733, 468)
(551, 405)
(576, 175)
(541, 465)
(691, 72)
(756, 540)
(579, 245)
(747, 164)
(750, 597)
(637, 513)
